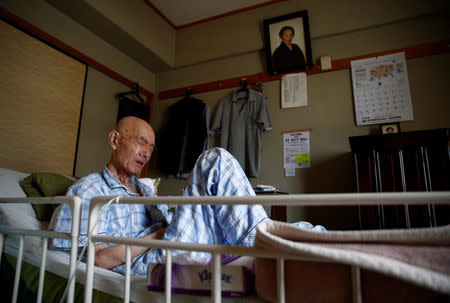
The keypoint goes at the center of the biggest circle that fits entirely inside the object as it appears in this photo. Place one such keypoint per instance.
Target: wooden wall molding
(339, 64)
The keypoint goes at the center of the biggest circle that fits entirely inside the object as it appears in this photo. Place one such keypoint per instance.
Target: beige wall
(98, 118)
(100, 107)
(232, 47)
(345, 21)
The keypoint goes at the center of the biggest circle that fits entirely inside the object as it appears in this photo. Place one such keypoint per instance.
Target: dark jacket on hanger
(129, 107)
(185, 136)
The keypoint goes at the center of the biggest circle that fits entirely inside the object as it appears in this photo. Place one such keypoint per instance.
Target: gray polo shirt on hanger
(240, 120)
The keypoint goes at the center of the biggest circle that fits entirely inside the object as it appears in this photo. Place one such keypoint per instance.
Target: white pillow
(9, 183)
(19, 215)
(153, 183)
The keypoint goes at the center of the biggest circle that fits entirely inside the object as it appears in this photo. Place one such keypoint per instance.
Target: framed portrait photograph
(288, 43)
(391, 128)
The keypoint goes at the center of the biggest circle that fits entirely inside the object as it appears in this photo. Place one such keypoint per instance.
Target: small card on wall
(289, 172)
(293, 90)
(296, 151)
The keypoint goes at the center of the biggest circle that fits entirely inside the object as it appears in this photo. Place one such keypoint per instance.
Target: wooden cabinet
(409, 161)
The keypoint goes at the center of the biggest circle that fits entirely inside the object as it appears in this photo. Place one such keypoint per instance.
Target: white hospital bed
(218, 250)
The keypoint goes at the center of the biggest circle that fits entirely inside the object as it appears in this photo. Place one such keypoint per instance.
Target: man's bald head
(132, 142)
(130, 124)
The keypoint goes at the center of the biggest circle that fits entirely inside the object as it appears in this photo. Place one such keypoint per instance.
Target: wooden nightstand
(278, 212)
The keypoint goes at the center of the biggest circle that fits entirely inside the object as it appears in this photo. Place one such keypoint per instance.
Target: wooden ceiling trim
(230, 13)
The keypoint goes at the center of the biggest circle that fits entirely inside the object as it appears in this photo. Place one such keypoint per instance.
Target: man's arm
(110, 257)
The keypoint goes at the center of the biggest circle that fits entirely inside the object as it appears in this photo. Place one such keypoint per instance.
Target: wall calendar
(381, 90)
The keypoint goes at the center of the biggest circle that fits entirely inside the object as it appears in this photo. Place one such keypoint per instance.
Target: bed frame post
(2, 241)
(75, 232)
(94, 211)
(216, 291)
(126, 297)
(42, 271)
(168, 284)
(18, 269)
(280, 280)
(356, 283)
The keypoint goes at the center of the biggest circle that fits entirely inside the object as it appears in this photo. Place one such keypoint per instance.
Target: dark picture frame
(287, 39)
(390, 128)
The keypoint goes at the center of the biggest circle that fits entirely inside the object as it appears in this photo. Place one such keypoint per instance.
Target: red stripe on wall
(339, 64)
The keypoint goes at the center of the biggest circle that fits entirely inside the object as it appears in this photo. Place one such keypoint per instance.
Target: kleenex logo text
(206, 275)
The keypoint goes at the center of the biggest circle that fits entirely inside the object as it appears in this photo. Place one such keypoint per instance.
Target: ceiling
(181, 14)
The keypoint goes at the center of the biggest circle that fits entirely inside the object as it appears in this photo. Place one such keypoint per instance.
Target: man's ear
(113, 139)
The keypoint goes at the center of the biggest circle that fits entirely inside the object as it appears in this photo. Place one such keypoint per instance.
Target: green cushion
(45, 185)
(51, 184)
(29, 188)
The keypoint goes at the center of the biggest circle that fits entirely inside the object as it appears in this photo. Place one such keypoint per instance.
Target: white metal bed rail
(411, 198)
(75, 206)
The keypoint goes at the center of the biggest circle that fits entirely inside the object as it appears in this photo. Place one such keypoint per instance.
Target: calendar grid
(381, 90)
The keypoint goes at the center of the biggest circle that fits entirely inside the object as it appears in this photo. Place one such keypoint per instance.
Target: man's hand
(110, 257)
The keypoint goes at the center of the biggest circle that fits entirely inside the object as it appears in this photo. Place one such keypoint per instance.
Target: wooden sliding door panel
(42, 92)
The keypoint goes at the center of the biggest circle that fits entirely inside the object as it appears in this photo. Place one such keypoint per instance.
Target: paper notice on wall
(293, 90)
(289, 172)
(296, 151)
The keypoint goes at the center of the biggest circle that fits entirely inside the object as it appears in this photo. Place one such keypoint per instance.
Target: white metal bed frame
(416, 198)
(411, 198)
(75, 206)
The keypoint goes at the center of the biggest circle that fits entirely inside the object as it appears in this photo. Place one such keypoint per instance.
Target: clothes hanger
(134, 93)
(244, 88)
(188, 92)
(187, 96)
(244, 85)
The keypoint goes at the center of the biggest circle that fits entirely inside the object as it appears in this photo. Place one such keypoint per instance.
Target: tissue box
(194, 276)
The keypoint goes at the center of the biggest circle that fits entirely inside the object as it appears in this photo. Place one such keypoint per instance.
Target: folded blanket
(400, 265)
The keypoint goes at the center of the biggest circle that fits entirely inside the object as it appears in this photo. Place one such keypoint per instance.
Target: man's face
(287, 36)
(134, 149)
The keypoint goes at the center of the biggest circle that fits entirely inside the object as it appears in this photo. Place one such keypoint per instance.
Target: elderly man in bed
(216, 173)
